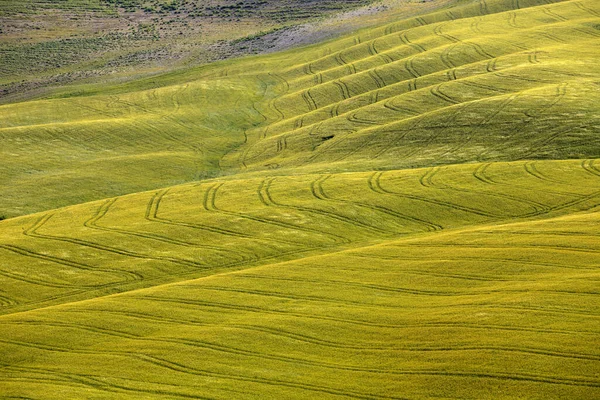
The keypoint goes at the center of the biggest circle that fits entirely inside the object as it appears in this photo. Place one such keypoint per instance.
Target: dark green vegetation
(412, 211)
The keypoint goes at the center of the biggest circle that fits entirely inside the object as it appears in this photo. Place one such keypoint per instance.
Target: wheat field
(408, 212)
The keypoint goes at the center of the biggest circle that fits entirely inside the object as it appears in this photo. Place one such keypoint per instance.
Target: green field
(408, 212)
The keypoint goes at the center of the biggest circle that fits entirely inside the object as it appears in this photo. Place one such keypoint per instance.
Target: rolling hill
(411, 211)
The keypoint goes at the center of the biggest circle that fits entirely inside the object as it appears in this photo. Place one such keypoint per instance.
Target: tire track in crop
(267, 199)
(177, 367)
(209, 203)
(127, 276)
(590, 167)
(319, 341)
(320, 299)
(312, 340)
(245, 256)
(374, 183)
(301, 337)
(417, 118)
(483, 54)
(195, 371)
(6, 301)
(370, 287)
(316, 188)
(284, 83)
(319, 193)
(438, 31)
(561, 92)
(535, 113)
(351, 321)
(464, 258)
(87, 381)
(435, 91)
(404, 39)
(410, 291)
(421, 21)
(42, 282)
(274, 331)
(495, 89)
(545, 247)
(335, 110)
(428, 325)
(445, 57)
(215, 347)
(152, 215)
(356, 149)
(483, 8)
(354, 118)
(480, 50)
(92, 223)
(308, 99)
(530, 169)
(308, 69)
(552, 37)
(409, 67)
(475, 26)
(33, 232)
(379, 82)
(426, 180)
(280, 114)
(211, 346)
(512, 20)
(480, 125)
(580, 5)
(553, 15)
(371, 47)
(480, 174)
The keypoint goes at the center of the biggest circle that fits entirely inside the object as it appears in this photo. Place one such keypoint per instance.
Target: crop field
(411, 211)
(47, 44)
(447, 91)
(270, 288)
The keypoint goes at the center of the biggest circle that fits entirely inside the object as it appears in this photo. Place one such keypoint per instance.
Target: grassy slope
(44, 45)
(438, 89)
(297, 279)
(469, 88)
(108, 145)
(378, 303)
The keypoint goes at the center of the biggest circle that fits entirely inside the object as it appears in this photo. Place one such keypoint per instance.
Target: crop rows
(365, 106)
(433, 314)
(410, 211)
(196, 229)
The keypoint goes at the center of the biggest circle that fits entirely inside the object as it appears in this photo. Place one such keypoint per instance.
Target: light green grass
(113, 144)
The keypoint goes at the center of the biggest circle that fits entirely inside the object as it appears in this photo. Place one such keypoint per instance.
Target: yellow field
(409, 212)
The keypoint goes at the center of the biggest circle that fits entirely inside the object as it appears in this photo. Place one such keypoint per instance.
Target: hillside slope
(491, 311)
(475, 83)
(408, 212)
(46, 44)
(193, 230)
(445, 88)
